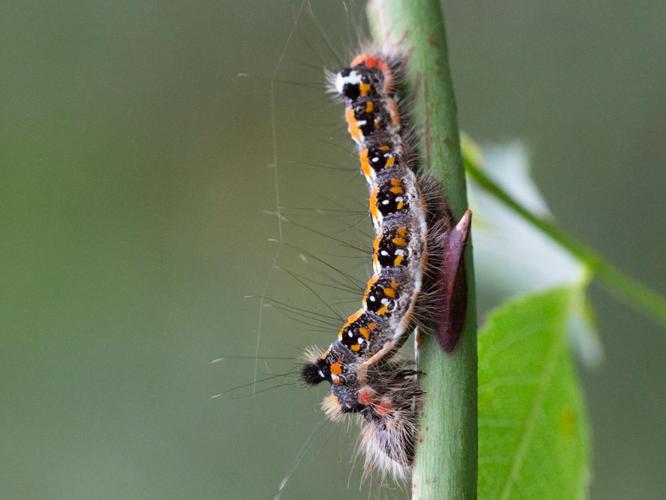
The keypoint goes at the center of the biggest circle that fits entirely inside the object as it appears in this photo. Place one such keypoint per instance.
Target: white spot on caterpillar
(353, 78)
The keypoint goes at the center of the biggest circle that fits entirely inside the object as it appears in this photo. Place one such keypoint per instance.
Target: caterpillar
(416, 260)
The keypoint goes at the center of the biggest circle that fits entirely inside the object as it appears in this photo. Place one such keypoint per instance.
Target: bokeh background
(135, 165)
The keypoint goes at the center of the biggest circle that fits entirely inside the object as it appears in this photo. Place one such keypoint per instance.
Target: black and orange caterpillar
(416, 256)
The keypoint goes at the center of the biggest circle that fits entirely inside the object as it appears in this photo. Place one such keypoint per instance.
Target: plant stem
(446, 454)
(625, 287)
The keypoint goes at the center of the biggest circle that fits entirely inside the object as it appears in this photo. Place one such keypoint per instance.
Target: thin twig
(446, 454)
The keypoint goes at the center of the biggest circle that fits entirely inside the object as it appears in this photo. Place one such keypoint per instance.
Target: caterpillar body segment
(379, 155)
(370, 115)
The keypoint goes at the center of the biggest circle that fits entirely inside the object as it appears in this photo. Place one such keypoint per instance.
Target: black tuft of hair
(311, 374)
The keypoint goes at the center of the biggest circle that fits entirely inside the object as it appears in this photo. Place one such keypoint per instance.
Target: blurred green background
(134, 175)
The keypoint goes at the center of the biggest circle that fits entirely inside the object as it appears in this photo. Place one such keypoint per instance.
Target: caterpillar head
(316, 372)
(329, 366)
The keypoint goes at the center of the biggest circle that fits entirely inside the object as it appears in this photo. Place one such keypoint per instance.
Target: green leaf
(533, 438)
(511, 255)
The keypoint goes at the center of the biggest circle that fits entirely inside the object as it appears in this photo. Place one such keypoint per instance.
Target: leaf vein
(533, 415)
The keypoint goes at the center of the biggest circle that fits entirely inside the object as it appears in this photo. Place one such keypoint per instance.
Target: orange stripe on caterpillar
(374, 212)
(366, 169)
(353, 125)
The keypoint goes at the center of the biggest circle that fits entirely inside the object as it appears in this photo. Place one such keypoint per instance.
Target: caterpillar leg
(452, 298)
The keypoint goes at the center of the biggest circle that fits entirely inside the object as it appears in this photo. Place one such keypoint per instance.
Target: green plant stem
(625, 287)
(446, 454)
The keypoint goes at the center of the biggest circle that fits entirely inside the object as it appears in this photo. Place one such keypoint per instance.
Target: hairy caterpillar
(374, 388)
(416, 261)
